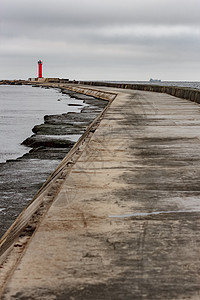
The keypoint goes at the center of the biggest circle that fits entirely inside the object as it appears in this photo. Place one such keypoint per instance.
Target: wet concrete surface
(125, 224)
(20, 179)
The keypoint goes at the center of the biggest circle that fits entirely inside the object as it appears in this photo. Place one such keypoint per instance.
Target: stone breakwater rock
(62, 129)
(70, 118)
(52, 132)
(55, 131)
(36, 141)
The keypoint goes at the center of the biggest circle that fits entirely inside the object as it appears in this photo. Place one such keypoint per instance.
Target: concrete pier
(124, 222)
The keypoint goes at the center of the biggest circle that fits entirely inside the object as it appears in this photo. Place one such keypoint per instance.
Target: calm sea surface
(22, 107)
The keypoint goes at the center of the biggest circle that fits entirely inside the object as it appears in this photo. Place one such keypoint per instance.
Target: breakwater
(187, 93)
(125, 221)
(35, 141)
(180, 92)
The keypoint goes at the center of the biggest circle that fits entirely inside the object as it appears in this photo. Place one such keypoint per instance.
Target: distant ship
(154, 80)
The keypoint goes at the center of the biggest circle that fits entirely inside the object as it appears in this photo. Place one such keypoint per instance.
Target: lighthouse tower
(39, 69)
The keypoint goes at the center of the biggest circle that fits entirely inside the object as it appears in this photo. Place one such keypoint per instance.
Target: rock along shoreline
(58, 131)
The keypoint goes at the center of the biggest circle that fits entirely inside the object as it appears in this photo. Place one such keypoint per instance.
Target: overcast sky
(100, 39)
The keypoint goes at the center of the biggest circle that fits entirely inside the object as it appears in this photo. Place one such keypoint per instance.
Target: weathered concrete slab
(125, 224)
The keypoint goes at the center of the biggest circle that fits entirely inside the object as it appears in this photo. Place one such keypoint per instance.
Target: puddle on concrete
(153, 213)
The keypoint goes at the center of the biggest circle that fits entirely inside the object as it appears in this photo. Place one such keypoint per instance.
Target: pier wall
(109, 96)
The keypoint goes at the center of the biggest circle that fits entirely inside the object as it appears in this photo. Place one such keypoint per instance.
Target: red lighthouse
(39, 69)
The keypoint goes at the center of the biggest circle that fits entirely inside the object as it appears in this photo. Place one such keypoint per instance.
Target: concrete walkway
(125, 224)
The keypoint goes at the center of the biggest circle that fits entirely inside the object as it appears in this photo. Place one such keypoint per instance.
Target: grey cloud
(97, 38)
(101, 12)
